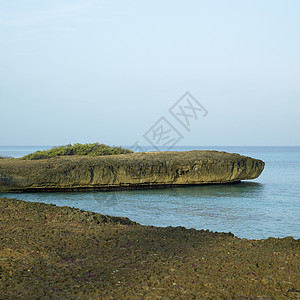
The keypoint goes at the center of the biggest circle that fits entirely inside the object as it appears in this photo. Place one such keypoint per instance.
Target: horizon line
(160, 146)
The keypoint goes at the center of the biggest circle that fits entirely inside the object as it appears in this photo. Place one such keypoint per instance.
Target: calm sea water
(267, 206)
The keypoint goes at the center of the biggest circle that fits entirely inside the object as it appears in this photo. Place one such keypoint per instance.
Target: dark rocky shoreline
(50, 252)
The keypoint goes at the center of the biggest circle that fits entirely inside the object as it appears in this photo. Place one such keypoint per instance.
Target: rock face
(136, 170)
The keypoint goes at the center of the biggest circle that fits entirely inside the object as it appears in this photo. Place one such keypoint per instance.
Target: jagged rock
(136, 170)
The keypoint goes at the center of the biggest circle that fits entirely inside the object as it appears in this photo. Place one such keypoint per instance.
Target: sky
(110, 71)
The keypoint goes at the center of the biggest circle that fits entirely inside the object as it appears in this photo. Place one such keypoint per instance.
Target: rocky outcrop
(51, 252)
(136, 170)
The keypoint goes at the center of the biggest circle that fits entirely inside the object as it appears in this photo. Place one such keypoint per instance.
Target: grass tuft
(94, 149)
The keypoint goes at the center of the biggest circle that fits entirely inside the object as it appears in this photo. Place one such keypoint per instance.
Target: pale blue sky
(106, 71)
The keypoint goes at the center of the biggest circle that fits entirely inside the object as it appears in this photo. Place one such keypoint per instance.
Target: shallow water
(267, 206)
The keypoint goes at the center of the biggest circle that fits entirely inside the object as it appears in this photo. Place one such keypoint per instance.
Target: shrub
(94, 149)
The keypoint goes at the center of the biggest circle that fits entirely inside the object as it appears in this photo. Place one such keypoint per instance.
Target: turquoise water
(267, 206)
(19, 151)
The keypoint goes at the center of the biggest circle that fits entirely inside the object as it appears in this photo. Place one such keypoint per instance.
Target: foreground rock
(49, 252)
(137, 170)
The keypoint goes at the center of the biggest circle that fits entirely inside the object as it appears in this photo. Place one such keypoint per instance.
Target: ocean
(268, 206)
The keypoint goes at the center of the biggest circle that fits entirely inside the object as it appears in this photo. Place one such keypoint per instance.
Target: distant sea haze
(264, 207)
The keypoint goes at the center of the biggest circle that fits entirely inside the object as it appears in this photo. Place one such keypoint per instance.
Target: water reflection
(236, 190)
(217, 207)
(248, 209)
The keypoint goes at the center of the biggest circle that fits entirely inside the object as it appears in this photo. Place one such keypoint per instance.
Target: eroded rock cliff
(136, 170)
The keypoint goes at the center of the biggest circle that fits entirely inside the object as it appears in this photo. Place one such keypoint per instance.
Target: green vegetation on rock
(94, 149)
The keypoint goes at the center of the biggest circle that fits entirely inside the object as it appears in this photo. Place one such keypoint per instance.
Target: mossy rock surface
(50, 252)
(135, 170)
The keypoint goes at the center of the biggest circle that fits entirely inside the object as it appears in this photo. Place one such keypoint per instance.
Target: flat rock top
(163, 156)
